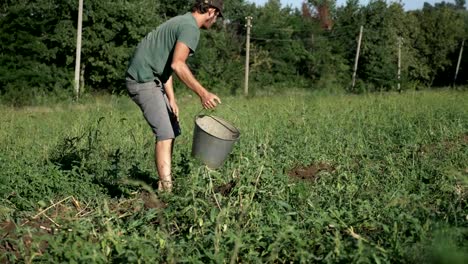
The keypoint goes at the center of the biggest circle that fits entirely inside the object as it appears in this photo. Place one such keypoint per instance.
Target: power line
(286, 29)
(281, 40)
(312, 38)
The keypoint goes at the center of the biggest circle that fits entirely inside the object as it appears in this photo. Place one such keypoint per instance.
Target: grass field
(378, 178)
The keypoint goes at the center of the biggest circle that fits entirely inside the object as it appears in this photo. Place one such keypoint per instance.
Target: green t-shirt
(153, 55)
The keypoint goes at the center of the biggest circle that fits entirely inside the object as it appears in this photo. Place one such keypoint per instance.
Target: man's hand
(209, 100)
(175, 108)
(181, 53)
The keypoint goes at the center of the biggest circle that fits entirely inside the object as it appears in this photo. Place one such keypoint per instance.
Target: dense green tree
(344, 34)
(313, 48)
(31, 57)
(384, 25)
(378, 60)
(39, 43)
(171, 8)
(111, 30)
(288, 46)
(460, 4)
(428, 38)
(441, 28)
(463, 74)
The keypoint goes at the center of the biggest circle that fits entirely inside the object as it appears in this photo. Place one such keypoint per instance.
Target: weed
(369, 178)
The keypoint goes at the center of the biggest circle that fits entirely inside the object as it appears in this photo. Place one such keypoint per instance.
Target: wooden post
(399, 64)
(82, 84)
(458, 63)
(247, 56)
(78, 49)
(357, 56)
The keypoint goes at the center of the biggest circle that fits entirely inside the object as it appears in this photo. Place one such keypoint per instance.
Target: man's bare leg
(163, 157)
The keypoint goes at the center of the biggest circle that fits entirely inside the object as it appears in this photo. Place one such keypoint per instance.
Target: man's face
(212, 14)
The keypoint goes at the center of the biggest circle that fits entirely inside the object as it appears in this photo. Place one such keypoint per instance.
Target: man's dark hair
(200, 6)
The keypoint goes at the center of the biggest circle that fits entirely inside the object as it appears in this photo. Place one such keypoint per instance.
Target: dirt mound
(151, 201)
(225, 189)
(452, 144)
(310, 172)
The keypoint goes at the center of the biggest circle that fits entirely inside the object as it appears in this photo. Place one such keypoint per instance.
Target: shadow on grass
(135, 173)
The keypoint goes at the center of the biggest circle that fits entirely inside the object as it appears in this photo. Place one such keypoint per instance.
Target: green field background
(390, 184)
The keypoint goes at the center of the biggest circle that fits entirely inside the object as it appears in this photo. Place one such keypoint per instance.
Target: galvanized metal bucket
(213, 140)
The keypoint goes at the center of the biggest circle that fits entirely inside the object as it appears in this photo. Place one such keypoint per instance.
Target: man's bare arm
(179, 65)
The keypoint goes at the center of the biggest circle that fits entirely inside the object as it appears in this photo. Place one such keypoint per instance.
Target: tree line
(313, 47)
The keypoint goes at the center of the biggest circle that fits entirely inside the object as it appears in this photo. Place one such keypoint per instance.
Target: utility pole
(399, 64)
(357, 56)
(78, 49)
(247, 56)
(458, 63)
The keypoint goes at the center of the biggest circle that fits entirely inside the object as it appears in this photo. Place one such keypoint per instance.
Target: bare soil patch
(225, 189)
(51, 220)
(310, 172)
(448, 145)
(151, 201)
(11, 240)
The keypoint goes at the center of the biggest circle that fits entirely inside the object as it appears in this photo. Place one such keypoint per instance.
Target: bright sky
(408, 4)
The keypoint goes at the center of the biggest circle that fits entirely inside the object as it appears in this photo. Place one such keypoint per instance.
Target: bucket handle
(203, 109)
(232, 109)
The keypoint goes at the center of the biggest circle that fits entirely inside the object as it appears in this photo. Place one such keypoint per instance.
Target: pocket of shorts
(133, 88)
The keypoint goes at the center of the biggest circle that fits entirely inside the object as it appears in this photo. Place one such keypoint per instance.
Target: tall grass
(395, 189)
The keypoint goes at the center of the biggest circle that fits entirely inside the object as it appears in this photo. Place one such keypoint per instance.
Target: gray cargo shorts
(153, 102)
